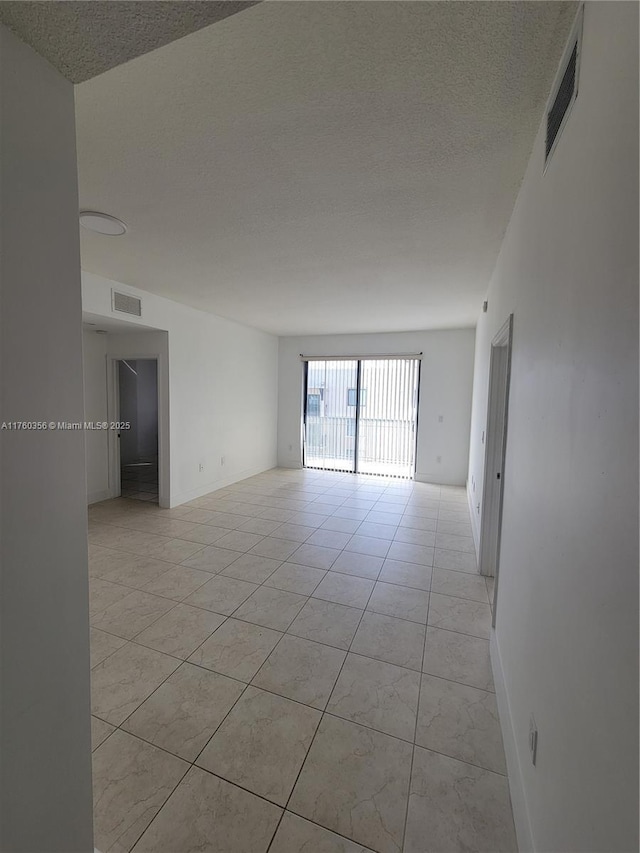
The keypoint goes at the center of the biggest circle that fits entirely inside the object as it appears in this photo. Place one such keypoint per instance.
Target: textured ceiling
(83, 38)
(321, 167)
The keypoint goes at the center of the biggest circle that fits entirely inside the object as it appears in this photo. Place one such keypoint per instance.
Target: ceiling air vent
(126, 304)
(565, 89)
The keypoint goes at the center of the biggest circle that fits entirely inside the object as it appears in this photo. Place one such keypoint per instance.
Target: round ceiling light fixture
(102, 223)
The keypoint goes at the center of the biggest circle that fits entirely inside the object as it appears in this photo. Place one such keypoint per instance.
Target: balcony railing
(384, 446)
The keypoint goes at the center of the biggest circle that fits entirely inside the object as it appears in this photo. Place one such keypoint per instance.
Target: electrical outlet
(438, 458)
(478, 509)
(222, 461)
(533, 739)
(440, 418)
(201, 467)
(290, 448)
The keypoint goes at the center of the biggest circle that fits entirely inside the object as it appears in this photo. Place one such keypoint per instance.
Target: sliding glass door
(387, 416)
(330, 415)
(361, 415)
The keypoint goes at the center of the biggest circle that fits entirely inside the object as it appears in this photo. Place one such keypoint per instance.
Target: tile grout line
(307, 597)
(415, 729)
(322, 715)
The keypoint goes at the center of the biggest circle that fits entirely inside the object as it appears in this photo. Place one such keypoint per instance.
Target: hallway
(298, 662)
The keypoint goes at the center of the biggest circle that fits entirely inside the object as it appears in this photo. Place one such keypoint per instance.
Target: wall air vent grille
(564, 91)
(126, 304)
(564, 97)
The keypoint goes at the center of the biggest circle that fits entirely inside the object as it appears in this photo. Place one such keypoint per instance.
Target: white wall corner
(201, 491)
(436, 480)
(514, 771)
(96, 497)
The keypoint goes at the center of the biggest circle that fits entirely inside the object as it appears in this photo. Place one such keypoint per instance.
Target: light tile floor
(298, 662)
(139, 479)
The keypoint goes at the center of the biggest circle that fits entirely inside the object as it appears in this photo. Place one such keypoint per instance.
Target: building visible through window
(313, 405)
(352, 397)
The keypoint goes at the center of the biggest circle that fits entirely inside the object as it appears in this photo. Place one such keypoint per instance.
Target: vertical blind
(330, 423)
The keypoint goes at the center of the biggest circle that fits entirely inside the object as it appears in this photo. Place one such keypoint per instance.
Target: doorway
(360, 415)
(138, 433)
(496, 444)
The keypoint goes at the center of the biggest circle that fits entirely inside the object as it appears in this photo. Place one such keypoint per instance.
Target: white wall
(45, 734)
(445, 390)
(566, 641)
(222, 390)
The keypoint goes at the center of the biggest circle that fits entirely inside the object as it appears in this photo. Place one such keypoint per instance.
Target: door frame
(356, 437)
(359, 359)
(113, 416)
(495, 455)
(305, 400)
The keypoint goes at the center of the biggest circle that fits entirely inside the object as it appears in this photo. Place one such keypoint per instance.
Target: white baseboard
(436, 479)
(295, 465)
(96, 497)
(184, 497)
(475, 529)
(516, 787)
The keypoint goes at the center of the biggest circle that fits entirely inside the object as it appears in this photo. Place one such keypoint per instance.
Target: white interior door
(496, 438)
